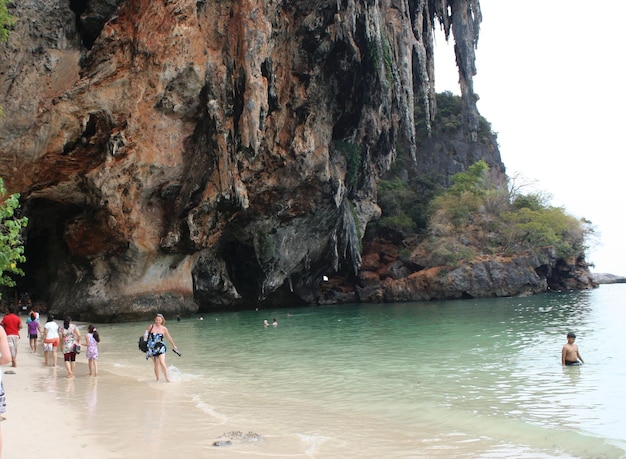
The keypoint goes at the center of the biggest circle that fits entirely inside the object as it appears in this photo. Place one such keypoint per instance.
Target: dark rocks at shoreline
(228, 438)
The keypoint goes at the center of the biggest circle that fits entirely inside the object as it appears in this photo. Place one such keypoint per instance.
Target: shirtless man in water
(570, 354)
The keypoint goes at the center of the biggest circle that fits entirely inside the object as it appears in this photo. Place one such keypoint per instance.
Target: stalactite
(462, 18)
(466, 18)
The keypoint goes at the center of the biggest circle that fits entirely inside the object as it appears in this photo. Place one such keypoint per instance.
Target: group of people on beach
(53, 336)
(68, 338)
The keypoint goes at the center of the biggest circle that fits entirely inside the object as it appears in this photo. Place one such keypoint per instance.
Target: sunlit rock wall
(190, 153)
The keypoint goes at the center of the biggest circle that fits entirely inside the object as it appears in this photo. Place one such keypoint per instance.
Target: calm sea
(468, 378)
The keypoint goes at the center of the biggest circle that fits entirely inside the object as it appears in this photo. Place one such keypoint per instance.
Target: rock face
(194, 154)
(386, 277)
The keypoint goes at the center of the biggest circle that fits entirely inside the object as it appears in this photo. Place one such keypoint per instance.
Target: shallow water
(471, 378)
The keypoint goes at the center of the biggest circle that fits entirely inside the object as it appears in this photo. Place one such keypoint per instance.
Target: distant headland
(605, 278)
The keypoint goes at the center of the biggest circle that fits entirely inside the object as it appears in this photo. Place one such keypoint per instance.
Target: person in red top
(12, 325)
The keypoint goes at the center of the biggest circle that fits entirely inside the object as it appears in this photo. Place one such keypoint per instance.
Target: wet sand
(40, 420)
(112, 416)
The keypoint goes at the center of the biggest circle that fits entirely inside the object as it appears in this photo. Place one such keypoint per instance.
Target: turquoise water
(471, 378)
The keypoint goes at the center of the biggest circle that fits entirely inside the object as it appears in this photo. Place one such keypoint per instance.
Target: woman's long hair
(94, 333)
(66, 322)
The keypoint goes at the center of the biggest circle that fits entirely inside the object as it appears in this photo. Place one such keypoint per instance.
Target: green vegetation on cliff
(449, 119)
(476, 214)
(6, 20)
(474, 217)
(11, 243)
(477, 217)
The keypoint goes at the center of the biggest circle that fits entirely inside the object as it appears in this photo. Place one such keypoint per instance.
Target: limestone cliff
(189, 153)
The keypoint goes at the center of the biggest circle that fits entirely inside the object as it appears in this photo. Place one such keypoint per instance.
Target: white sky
(550, 76)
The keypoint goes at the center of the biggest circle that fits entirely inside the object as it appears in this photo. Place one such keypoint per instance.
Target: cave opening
(247, 276)
(79, 7)
(243, 269)
(44, 248)
(90, 18)
(284, 296)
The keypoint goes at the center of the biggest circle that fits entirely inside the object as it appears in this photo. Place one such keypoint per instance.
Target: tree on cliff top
(11, 243)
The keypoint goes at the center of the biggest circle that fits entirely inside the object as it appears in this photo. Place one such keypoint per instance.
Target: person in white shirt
(50, 340)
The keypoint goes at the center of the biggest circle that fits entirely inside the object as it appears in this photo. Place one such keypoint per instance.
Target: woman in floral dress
(70, 337)
(156, 335)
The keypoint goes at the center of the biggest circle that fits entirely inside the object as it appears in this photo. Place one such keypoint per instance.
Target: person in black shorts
(32, 324)
(570, 355)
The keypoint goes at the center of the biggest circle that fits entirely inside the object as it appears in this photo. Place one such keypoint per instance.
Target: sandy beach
(41, 420)
(114, 415)
(106, 417)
